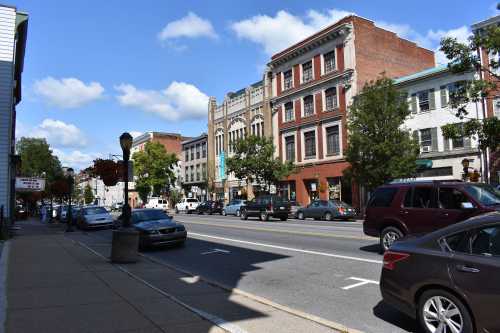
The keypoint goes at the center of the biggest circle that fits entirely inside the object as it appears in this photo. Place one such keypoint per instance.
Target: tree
(37, 159)
(379, 149)
(254, 160)
(154, 169)
(463, 58)
(143, 189)
(88, 195)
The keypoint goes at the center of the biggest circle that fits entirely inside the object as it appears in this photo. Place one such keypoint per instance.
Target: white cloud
(190, 26)
(279, 32)
(178, 101)
(59, 133)
(76, 159)
(68, 93)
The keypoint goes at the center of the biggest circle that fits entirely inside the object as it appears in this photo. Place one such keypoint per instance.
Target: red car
(399, 209)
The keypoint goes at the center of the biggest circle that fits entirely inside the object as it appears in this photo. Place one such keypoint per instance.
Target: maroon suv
(399, 209)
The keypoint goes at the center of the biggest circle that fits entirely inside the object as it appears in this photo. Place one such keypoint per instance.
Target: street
(327, 269)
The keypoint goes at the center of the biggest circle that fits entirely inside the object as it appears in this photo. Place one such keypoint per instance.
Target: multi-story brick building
(194, 167)
(312, 84)
(491, 103)
(244, 112)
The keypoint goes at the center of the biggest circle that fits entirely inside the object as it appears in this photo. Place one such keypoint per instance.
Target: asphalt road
(328, 269)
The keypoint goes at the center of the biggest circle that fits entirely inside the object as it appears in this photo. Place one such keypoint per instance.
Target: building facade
(429, 95)
(242, 113)
(13, 33)
(194, 167)
(491, 103)
(312, 84)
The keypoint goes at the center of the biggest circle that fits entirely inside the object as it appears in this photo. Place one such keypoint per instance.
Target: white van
(158, 203)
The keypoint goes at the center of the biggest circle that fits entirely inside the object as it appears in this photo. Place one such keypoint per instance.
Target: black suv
(266, 206)
(210, 207)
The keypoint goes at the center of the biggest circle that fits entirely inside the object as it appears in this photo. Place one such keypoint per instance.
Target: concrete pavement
(60, 282)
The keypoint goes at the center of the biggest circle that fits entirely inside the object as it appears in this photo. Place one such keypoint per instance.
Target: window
(198, 151)
(192, 153)
(329, 60)
(204, 171)
(308, 106)
(332, 140)
(186, 155)
(257, 126)
(192, 173)
(458, 143)
(451, 198)
(204, 150)
(383, 197)
(408, 196)
(331, 98)
(307, 72)
(289, 111)
(435, 172)
(457, 242)
(287, 80)
(310, 144)
(422, 197)
(290, 148)
(425, 137)
(186, 174)
(197, 172)
(486, 242)
(423, 101)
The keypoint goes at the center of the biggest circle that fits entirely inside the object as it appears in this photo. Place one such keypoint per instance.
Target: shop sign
(313, 187)
(30, 184)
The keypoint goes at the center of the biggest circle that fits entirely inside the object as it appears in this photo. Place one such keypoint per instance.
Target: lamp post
(70, 173)
(125, 244)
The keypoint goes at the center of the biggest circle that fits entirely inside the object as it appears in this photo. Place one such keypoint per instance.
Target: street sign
(28, 184)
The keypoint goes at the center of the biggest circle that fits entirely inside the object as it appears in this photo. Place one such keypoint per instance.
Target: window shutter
(413, 103)
(432, 100)
(467, 143)
(446, 143)
(444, 99)
(434, 136)
(415, 136)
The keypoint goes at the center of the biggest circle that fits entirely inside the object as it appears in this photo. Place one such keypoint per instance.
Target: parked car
(158, 203)
(62, 211)
(187, 205)
(156, 228)
(210, 207)
(92, 217)
(117, 206)
(234, 207)
(326, 210)
(75, 210)
(449, 279)
(400, 209)
(266, 206)
(294, 207)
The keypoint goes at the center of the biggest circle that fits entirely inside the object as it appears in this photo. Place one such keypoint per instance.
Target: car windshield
(339, 203)
(95, 210)
(148, 215)
(192, 200)
(484, 193)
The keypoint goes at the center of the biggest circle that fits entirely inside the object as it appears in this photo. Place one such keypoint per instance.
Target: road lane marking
(361, 282)
(339, 256)
(340, 224)
(215, 251)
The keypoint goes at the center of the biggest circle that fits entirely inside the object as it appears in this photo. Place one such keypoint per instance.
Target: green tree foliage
(143, 189)
(254, 160)
(154, 169)
(88, 194)
(37, 159)
(379, 149)
(463, 58)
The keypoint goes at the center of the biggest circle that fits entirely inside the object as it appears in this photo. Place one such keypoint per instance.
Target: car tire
(210, 212)
(328, 216)
(244, 215)
(283, 218)
(263, 216)
(223, 213)
(238, 213)
(300, 216)
(449, 302)
(388, 236)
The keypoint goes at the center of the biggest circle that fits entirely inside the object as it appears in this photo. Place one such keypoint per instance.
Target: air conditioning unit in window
(426, 149)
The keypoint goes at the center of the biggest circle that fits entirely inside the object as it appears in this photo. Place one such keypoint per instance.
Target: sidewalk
(63, 283)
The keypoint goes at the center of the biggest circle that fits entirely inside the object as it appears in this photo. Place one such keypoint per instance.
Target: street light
(69, 174)
(126, 144)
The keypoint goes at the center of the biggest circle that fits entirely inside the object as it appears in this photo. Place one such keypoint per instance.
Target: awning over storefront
(424, 164)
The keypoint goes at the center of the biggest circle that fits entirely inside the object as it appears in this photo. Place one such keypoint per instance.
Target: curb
(3, 284)
(324, 322)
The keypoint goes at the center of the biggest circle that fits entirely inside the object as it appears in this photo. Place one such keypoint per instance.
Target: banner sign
(222, 166)
(30, 184)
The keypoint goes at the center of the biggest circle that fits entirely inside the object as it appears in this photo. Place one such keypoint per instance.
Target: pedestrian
(44, 214)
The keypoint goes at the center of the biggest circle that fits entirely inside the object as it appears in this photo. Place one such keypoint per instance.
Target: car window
(451, 198)
(484, 193)
(95, 210)
(422, 197)
(458, 242)
(192, 200)
(383, 197)
(323, 203)
(315, 204)
(148, 215)
(408, 198)
(486, 242)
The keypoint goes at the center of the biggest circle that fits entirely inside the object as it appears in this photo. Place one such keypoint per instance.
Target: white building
(104, 195)
(429, 97)
(13, 32)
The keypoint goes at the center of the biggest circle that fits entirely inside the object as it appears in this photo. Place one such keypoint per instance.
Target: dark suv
(210, 207)
(266, 206)
(399, 209)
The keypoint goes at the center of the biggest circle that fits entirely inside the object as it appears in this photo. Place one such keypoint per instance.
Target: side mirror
(467, 205)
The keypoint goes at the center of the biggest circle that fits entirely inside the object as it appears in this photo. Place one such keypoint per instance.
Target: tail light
(269, 206)
(391, 258)
(341, 210)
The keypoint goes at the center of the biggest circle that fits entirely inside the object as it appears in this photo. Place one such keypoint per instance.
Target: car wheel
(283, 218)
(244, 215)
(210, 212)
(388, 236)
(300, 216)
(441, 311)
(238, 213)
(224, 212)
(263, 216)
(328, 216)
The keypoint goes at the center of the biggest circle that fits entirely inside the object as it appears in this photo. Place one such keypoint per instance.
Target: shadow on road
(374, 248)
(391, 315)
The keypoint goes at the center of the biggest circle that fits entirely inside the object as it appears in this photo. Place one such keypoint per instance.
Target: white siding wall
(7, 28)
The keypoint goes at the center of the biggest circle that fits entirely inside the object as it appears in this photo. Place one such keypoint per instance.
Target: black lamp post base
(125, 246)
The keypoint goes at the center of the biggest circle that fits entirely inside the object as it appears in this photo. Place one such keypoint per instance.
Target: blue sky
(94, 69)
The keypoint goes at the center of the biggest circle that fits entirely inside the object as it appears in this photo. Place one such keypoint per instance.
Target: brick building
(312, 84)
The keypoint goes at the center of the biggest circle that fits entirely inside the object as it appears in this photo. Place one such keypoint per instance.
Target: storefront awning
(424, 164)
